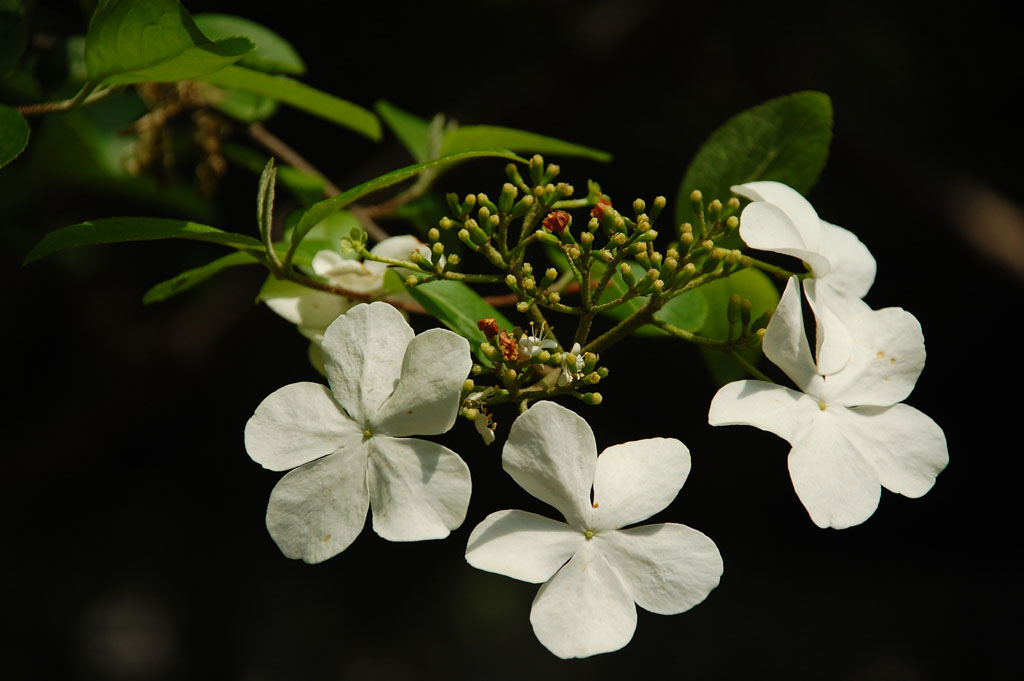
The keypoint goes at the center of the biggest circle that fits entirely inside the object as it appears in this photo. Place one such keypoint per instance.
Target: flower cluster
(849, 431)
(350, 449)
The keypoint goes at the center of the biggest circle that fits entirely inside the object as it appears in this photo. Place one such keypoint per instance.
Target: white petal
(363, 353)
(669, 568)
(792, 204)
(522, 545)
(785, 342)
(585, 609)
(767, 406)
(551, 453)
(853, 266)
(316, 511)
(303, 306)
(348, 273)
(905, 446)
(837, 486)
(297, 424)
(637, 479)
(834, 344)
(418, 489)
(886, 360)
(426, 399)
(780, 220)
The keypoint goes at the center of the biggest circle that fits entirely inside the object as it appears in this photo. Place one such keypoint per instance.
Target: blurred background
(134, 518)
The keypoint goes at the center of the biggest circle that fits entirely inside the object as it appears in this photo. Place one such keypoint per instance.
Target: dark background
(133, 518)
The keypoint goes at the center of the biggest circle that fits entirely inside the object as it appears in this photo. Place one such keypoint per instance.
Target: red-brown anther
(489, 325)
(556, 221)
(509, 346)
(598, 210)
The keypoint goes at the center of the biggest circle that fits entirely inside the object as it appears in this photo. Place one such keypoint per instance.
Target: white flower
(348, 445)
(849, 431)
(530, 346)
(572, 366)
(485, 426)
(593, 571)
(782, 221)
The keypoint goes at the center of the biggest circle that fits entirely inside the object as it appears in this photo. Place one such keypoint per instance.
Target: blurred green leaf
(195, 276)
(471, 137)
(273, 54)
(13, 134)
(458, 307)
(322, 209)
(412, 131)
(750, 283)
(241, 105)
(122, 229)
(138, 41)
(784, 139)
(301, 96)
(687, 311)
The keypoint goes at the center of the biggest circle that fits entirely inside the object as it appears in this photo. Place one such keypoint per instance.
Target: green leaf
(13, 134)
(299, 95)
(458, 307)
(471, 137)
(195, 276)
(412, 131)
(322, 209)
(273, 54)
(115, 230)
(785, 139)
(247, 107)
(750, 283)
(138, 41)
(687, 311)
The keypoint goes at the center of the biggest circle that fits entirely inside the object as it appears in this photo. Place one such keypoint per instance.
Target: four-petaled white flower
(849, 430)
(572, 366)
(348, 445)
(782, 221)
(593, 571)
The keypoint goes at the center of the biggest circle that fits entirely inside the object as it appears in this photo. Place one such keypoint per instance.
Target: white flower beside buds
(348, 445)
(849, 430)
(594, 573)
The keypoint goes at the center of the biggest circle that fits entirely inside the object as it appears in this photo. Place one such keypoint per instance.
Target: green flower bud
(446, 223)
(433, 235)
(537, 169)
(454, 207)
(657, 207)
(544, 356)
(510, 280)
(593, 399)
(732, 312)
(485, 202)
(507, 197)
(523, 205)
(627, 274)
(555, 297)
(468, 203)
(638, 206)
(470, 413)
(468, 385)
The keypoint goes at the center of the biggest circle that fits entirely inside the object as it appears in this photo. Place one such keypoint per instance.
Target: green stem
(87, 95)
(750, 368)
(627, 326)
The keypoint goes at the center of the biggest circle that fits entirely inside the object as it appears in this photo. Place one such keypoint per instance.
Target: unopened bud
(470, 413)
(433, 235)
(592, 399)
(468, 385)
(555, 297)
(523, 307)
(639, 206)
(507, 197)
